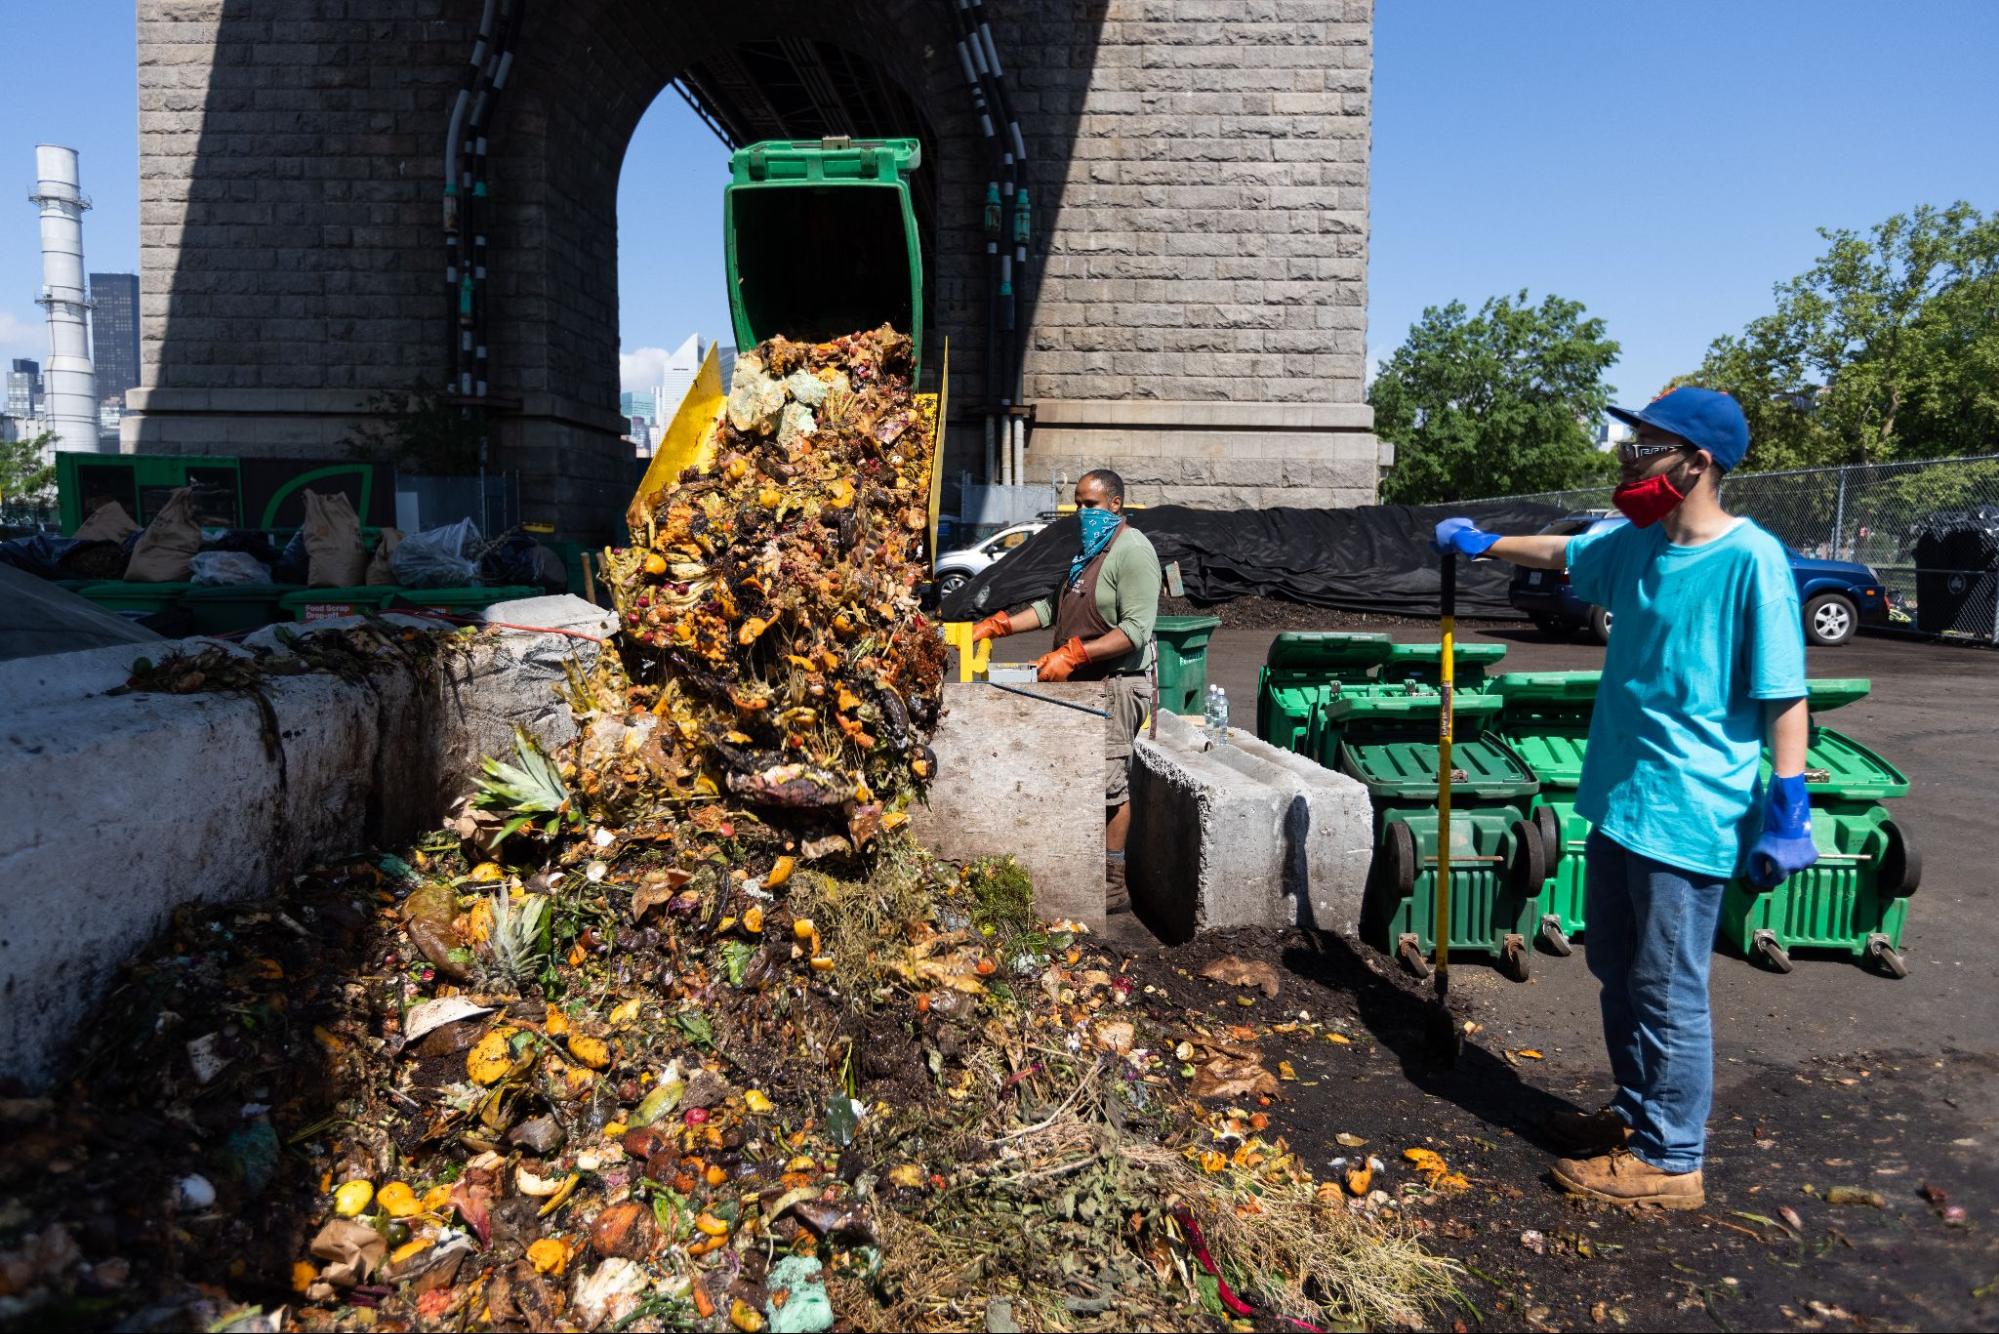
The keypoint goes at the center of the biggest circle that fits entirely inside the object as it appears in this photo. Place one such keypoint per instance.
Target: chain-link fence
(1930, 530)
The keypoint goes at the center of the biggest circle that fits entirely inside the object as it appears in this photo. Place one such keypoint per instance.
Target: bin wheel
(1515, 959)
(1556, 939)
(1530, 865)
(1887, 956)
(1409, 950)
(1398, 846)
(1901, 868)
(1550, 829)
(1775, 956)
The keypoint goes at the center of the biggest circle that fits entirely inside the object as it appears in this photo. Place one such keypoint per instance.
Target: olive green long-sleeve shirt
(1127, 597)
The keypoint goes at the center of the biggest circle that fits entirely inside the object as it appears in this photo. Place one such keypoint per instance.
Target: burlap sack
(166, 550)
(335, 556)
(378, 564)
(107, 523)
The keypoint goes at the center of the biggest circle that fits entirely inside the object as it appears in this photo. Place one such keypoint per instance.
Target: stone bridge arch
(1195, 312)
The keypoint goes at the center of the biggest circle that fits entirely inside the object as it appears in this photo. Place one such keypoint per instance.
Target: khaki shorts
(1128, 699)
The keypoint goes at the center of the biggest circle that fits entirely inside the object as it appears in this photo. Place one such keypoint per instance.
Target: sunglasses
(1630, 451)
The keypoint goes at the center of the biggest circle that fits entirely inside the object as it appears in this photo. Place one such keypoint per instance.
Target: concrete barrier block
(1242, 835)
(1023, 776)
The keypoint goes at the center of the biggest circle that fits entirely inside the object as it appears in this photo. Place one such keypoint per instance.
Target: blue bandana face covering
(1099, 526)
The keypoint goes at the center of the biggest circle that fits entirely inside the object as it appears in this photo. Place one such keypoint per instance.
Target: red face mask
(1647, 502)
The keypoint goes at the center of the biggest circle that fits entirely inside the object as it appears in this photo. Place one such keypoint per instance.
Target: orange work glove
(1059, 665)
(996, 626)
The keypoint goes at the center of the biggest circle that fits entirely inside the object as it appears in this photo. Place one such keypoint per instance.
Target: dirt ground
(1831, 1077)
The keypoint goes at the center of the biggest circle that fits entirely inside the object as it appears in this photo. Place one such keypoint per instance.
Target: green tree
(1886, 348)
(1494, 403)
(26, 474)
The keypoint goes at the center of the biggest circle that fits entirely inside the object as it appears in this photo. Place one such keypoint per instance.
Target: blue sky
(1665, 164)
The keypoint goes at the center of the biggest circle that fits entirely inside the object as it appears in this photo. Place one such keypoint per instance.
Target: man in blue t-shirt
(1706, 662)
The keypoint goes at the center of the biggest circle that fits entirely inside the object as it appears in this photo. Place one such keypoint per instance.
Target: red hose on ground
(1199, 1245)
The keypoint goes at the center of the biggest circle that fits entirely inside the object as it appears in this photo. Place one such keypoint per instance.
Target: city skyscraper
(114, 333)
(24, 388)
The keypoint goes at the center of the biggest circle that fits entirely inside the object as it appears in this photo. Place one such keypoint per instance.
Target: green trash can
(1387, 739)
(232, 608)
(1304, 669)
(134, 600)
(1545, 720)
(1855, 899)
(319, 604)
(470, 602)
(1424, 664)
(1183, 661)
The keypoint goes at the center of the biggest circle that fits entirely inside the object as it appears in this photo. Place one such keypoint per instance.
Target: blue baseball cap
(1704, 418)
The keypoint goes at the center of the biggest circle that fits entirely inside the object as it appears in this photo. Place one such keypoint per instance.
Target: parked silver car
(955, 569)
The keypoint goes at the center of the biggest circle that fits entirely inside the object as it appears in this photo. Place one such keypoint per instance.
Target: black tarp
(1373, 558)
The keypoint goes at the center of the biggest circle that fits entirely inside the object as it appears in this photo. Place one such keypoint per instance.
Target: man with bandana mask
(1103, 617)
(1706, 662)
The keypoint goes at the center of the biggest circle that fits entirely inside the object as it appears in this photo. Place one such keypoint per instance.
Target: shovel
(1441, 1033)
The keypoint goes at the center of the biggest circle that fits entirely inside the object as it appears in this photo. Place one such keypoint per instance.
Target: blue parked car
(1838, 596)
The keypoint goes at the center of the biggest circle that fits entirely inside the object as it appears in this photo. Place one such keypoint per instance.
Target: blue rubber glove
(1464, 537)
(1786, 846)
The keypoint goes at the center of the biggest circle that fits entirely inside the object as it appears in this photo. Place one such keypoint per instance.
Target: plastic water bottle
(1221, 716)
(1208, 716)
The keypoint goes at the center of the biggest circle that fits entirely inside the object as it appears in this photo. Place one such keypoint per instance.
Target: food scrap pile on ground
(677, 1028)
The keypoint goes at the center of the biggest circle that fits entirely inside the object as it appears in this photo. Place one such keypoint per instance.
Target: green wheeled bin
(320, 604)
(134, 600)
(470, 603)
(1855, 898)
(1183, 661)
(1423, 664)
(1303, 670)
(1544, 718)
(1388, 740)
(225, 609)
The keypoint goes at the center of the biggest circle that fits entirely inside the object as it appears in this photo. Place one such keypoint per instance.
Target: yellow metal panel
(687, 437)
(937, 446)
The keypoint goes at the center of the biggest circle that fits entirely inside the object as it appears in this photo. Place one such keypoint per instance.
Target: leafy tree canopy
(1495, 403)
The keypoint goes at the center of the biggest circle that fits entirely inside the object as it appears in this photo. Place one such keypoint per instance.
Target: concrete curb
(1243, 835)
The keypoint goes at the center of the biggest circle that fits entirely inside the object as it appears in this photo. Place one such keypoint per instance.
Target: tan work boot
(1588, 1133)
(1620, 1177)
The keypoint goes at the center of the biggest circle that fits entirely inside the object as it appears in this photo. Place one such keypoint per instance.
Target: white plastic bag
(213, 569)
(444, 557)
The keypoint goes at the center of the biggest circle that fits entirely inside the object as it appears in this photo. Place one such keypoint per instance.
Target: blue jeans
(1649, 938)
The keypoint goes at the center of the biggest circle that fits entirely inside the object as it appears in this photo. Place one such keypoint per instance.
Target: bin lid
(1383, 706)
(1836, 692)
(1180, 625)
(1548, 687)
(1470, 655)
(1838, 766)
(1407, 768)
(1554, 752)
(1327, 648)
(376, 593)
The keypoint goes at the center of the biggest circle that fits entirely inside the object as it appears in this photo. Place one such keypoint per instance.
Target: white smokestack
(69, 383)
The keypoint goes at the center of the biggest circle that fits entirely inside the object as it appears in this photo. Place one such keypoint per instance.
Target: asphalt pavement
(1934, 713)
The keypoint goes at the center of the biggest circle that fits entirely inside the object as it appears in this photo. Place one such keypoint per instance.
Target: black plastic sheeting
(1374, 558)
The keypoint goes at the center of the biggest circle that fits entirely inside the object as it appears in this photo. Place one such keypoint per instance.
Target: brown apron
(1076, 614)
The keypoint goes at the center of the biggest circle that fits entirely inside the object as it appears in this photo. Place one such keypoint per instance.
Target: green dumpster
(1304, 669)
(469, 602)
(1855, 898)
(1183, 661)
(1545, 719)
(1424, 663)
(319, 604)
(134, 599)
(231, 608)
(1387, 739)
